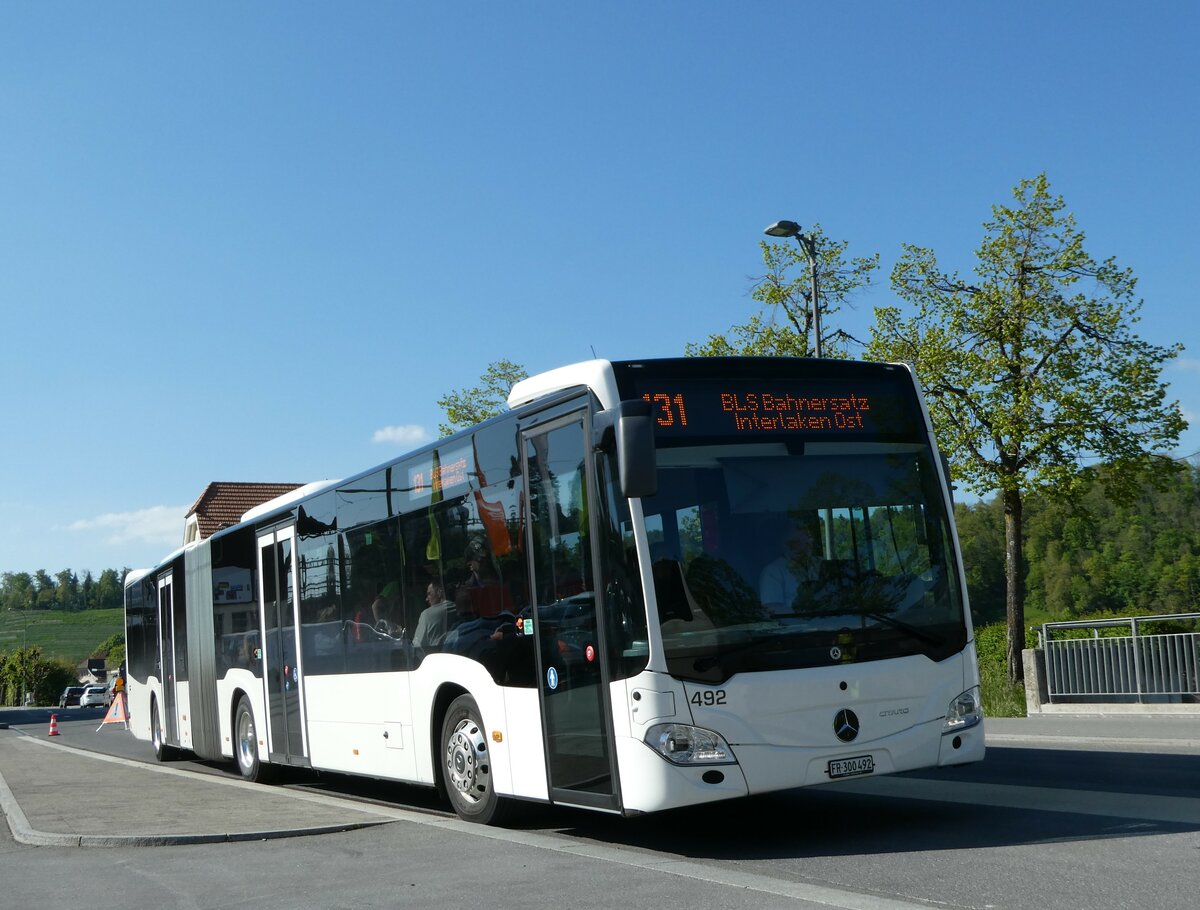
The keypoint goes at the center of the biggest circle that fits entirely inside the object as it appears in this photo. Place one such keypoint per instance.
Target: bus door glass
(166, 658)
(282, 669)
(572, 666)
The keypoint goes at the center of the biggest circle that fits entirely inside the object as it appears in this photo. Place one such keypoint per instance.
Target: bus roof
(596, 375)
(293, 496)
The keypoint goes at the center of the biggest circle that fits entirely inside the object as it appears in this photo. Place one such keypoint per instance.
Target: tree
(981, 535)
(467, 407)
(1033, 368)
(17, 591)
(786, 294)
(67, 590)
(28, 670)
(110, 591)
(1137, 557)
(46, 594)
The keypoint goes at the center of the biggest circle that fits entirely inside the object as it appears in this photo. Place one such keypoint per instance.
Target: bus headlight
(964, 712)
(682, 744)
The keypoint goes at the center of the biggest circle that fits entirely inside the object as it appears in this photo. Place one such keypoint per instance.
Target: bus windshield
(770, 555)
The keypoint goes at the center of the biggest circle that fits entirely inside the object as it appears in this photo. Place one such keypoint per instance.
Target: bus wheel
(467, 765)
(162, 751)
(245, 745)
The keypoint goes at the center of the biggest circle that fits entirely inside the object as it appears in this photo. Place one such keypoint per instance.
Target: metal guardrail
(1120, 668)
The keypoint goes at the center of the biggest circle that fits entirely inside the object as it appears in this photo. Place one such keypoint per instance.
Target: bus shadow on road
(972, 807)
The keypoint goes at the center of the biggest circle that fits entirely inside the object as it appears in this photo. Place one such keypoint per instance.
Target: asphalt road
(1088, 819)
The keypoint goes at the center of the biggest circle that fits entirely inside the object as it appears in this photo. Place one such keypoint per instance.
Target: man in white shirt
(435, 620)
(798, 564)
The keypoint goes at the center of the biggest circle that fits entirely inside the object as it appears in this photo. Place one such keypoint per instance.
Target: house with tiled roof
(223, 503)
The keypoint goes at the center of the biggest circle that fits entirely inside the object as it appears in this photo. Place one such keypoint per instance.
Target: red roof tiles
(224, 502)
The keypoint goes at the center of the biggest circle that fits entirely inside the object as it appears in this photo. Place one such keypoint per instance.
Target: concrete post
(1036, 691)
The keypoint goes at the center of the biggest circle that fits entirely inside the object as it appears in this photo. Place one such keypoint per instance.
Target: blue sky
(258, 241)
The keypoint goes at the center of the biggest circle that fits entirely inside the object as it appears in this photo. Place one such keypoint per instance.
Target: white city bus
(647, 585)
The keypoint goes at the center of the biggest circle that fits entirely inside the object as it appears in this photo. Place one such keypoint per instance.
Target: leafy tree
(467, 407)
(28, 670)
(785, 292)
(1032, 368)
(1099, 556)
(112, 649)
(46, 594)
(981, 536)
(110, 590)
(17, 591)
(67, 589)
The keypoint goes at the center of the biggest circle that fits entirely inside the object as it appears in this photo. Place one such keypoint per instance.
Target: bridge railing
(1145, 665)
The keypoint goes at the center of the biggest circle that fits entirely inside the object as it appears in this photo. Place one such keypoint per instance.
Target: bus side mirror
(636, 463)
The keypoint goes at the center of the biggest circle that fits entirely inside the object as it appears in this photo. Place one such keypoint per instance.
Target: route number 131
(670, 408)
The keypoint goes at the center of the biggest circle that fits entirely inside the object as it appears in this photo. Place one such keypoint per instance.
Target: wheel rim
(245, 734)
(155, 729)
(467, 769)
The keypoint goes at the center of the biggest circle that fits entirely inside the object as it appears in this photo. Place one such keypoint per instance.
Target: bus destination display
(815, 408)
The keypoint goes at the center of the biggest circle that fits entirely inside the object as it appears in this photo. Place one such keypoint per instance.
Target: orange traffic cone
(53, 725)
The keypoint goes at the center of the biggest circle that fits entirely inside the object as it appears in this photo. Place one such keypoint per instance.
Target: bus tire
(466, 765)
(245, 745)
(162, 752)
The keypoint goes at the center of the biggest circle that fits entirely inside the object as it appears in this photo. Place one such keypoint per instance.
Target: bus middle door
(287, 740)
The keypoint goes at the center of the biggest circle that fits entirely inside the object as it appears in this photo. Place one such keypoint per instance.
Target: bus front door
(572, 667)
(287, 740)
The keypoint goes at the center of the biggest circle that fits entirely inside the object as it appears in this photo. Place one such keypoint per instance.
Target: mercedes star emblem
(845, 725)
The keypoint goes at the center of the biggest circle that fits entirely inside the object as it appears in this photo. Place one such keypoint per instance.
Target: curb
(25, 833)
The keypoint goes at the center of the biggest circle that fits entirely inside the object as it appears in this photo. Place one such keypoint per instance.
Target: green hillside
(71, 636)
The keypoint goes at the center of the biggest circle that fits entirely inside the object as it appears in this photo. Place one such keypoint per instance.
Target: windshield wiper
(898, 624)
(902, 626)
(708, 661)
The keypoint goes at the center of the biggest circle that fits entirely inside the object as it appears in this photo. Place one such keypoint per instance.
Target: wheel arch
(235, 699)
(446, 694)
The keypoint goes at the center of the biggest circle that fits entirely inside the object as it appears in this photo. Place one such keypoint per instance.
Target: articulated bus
(648, 584)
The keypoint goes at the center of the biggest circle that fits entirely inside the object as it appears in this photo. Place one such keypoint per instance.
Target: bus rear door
(166, 659)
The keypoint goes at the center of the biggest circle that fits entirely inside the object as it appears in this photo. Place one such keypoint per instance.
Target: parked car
(92, 697)
(70, 696)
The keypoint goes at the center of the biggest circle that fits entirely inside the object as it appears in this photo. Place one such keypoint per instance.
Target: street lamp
(791, 229)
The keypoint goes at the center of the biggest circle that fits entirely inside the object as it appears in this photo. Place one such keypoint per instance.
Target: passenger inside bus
(435, 620)
(797, 564)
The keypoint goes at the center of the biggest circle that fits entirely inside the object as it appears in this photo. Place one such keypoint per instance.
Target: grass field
(72, 636)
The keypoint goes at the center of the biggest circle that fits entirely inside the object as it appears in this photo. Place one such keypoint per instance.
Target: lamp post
(791, 229)
(25, 659)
